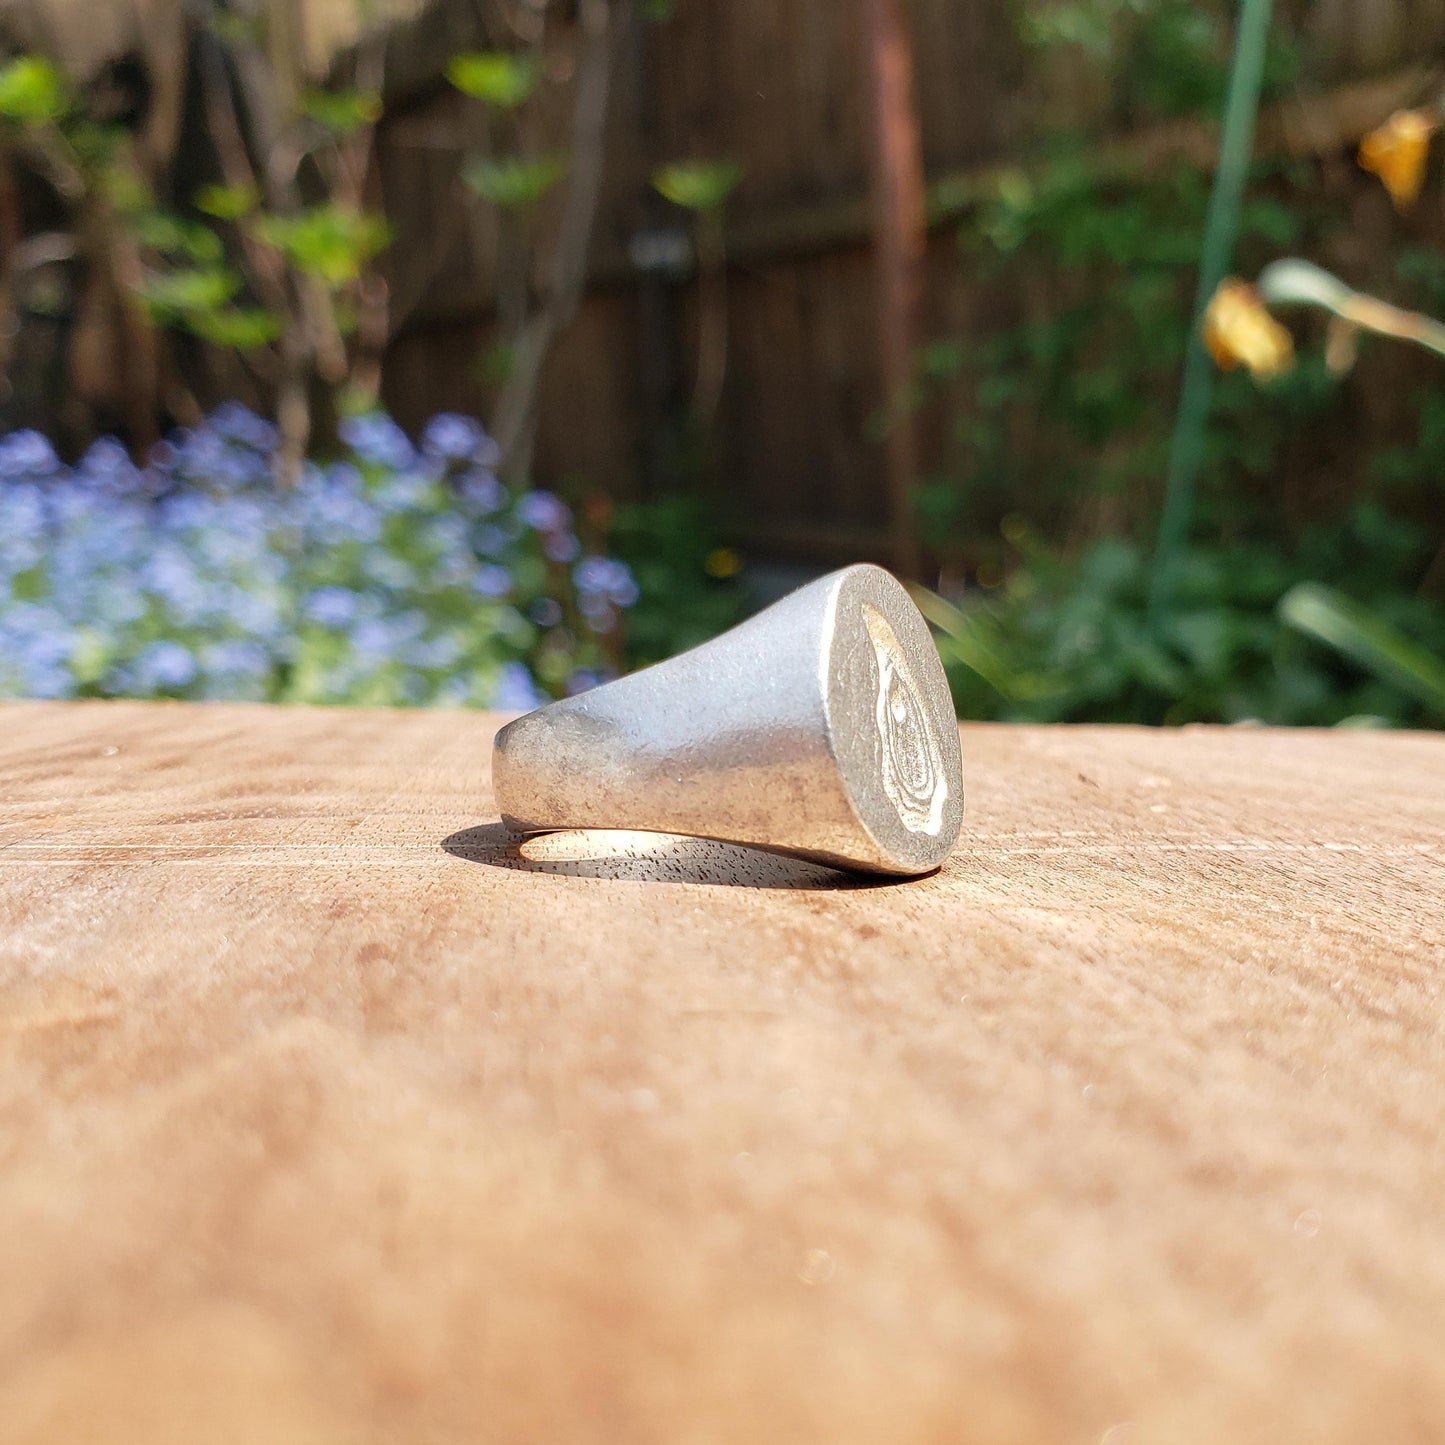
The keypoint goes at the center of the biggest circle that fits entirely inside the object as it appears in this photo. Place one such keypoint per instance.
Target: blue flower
(237, 656)
(481, 490)
(107, 467)
(376, 439)
(543, 512)
(452, 437)
(605, 579)
(334, 510)
(372, 640)
(172, 577)
(22, 527)
(207, 458)
(406, 491)
(235, 670)
(240, 424)
(515, 690)
(332, 606)
(167, 665)
(35, 646)
(27, 456)
(492, 581)
(192, 574)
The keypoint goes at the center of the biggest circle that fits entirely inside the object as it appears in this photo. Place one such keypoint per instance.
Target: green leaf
(1083, 26)
(972, 639)
(242, 328)
(328, 241)
(227, 203)
(698, 185)
(31, 91)
(126, 189)
(90, 655)
(495, 76)
(172, 236)
(514, 182)
(342, 112)
(1356, 632)
(188, 290)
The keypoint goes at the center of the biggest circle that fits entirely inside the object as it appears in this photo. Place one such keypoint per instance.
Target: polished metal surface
(822, 727)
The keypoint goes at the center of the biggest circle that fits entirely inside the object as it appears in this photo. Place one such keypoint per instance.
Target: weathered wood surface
(319, 1122)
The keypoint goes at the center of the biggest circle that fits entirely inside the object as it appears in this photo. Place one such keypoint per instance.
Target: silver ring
(823, 727)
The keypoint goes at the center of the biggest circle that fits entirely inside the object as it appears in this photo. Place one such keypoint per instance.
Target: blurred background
(472, 351)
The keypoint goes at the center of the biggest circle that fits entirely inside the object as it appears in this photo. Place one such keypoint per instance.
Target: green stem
(1221, 226)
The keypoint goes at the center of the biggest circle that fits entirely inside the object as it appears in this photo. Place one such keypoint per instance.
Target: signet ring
(822, 727)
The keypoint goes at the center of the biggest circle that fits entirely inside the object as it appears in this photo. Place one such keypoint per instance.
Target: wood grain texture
(325, 1116)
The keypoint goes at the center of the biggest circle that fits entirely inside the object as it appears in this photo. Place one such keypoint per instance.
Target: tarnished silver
(822, 727)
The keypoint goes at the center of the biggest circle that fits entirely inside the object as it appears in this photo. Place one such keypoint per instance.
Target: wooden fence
(780, 85)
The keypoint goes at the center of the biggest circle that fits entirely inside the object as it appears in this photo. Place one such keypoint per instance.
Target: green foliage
(227, 203)
(239, 328)
(193, 276)
(118, 182)
(32, 91)
(1071, 399)
(1162, 58)
(1068, 638)
(689, 587)
(196, 291)
(1361, 635)
(698, 185)
(329, 241)
(1048, 486)
(187, 290)
(342, 112)
(1090, 27)
(179, 239)
(497, 77)
(514, 182)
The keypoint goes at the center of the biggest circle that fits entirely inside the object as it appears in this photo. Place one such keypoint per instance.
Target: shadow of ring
(646, 858)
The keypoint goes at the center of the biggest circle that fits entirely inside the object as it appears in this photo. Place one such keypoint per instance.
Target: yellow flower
(1239, 331)
(1397, 152)
(722, 563)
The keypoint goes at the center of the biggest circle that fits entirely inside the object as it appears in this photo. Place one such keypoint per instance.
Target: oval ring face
(910, 760)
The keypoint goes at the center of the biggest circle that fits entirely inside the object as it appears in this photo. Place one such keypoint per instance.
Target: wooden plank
(326, 1116)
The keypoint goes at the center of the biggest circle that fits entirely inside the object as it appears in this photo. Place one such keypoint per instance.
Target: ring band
(822, 727)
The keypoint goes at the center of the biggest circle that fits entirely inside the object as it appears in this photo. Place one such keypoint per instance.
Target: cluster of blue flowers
(399, 573)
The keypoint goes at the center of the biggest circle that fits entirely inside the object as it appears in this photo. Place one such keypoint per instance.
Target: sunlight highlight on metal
(823, 728)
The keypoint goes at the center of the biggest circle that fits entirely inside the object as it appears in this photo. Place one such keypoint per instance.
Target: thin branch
(516, 414)
(266, 267)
